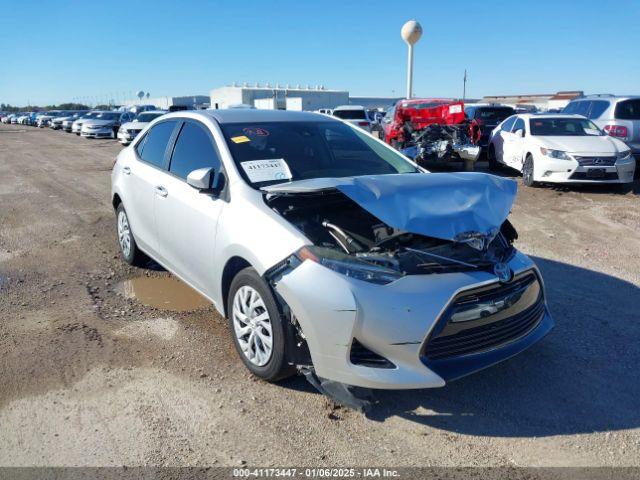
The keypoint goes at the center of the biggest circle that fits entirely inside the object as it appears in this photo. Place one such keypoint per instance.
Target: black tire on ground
(491, 158)
(133, 255)
(527, 172)
(277, 367)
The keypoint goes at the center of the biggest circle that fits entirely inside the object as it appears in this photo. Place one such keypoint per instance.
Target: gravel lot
(89, 377)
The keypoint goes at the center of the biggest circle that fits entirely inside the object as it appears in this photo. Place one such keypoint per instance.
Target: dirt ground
(90, 377)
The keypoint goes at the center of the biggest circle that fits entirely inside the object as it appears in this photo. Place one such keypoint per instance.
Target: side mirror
(519, 133)
(201, 179)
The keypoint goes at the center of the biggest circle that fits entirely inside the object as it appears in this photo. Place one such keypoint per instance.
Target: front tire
(256, 327)
(527, 172)
(128, 247)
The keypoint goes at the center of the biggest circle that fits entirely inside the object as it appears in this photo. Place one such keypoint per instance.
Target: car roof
(252, 115)
(149, 111)
(549, 115)
(349, 107)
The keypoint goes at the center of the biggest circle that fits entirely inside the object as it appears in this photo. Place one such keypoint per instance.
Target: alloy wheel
(124, 234)
(527, 172)
(252, 326)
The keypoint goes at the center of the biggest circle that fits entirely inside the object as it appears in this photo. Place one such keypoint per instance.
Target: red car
(417, 114)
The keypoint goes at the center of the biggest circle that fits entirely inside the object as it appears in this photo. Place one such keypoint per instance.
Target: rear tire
(257, 328)
(527, 172)
(128, 247)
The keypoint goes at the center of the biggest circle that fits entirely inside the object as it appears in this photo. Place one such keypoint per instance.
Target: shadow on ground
(581, 378)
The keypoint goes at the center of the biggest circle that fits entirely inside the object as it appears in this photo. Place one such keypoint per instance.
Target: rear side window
(582, 108)
(597, 108)
(152, 148)
(628, 110)
(350, 114)
(508, 123)
(194, 149)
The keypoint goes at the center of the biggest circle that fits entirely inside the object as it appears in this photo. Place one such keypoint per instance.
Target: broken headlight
(348, 266)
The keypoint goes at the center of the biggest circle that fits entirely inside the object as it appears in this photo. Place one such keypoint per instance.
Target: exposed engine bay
(333, 221)
(441, 143)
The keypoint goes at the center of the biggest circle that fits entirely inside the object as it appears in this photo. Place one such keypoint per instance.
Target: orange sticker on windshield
(240, 139)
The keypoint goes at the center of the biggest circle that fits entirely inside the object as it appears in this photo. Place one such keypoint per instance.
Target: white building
(163, 103)
(278, 97)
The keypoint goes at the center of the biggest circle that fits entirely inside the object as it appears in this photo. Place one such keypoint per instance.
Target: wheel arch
(233, 266)
(116, 201)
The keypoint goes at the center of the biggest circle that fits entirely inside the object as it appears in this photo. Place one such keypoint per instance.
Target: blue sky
(57, 51)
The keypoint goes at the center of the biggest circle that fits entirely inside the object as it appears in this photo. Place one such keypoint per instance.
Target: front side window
(519, 125)
(154, 145)
(194, 149)
(508, 123)
(563, 127)
(312, 150)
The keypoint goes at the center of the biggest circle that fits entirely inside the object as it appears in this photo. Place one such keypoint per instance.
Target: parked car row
(123, 125)
(595, 139)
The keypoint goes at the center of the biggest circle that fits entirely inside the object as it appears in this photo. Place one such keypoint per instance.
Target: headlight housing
(348, 265)
(624, 155)
(557, 154)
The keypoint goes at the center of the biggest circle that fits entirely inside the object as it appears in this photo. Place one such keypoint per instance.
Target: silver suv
(617, 116)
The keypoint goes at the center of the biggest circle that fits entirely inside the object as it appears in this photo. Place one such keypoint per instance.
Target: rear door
(141, 178)
(186, 218)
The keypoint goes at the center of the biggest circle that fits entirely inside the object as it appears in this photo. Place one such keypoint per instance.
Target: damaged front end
(386, 255)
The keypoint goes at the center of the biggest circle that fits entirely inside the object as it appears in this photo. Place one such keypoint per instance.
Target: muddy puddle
(166, 293)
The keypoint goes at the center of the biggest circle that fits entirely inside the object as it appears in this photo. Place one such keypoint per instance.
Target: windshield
(494, 115)
(305, 150)
(147, 117)
(108, 116)
(350, 114)
(91, 115)
(563, 127)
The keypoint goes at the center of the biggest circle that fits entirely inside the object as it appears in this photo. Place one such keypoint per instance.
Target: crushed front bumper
(394, 322)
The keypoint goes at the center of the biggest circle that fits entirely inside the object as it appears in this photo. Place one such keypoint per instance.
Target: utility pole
(464, 86)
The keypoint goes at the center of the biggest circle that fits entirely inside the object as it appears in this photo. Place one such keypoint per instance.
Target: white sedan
(128, 131)
(559, 149)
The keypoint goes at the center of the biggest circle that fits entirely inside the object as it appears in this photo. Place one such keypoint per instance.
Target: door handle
(126, 170)
(161, 191)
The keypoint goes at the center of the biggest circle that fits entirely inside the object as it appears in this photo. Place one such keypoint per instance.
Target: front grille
(487, 318)
(584, 176)
(596, 161)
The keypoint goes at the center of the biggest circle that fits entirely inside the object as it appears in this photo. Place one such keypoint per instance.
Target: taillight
(363, 124)
(616, 130)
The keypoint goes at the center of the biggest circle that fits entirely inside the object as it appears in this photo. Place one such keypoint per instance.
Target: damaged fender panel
(440, 205)
(324, 305)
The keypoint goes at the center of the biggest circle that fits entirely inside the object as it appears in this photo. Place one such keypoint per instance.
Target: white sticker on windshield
(266, 170)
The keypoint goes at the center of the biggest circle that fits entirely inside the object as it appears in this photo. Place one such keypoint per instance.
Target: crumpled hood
(440, 205)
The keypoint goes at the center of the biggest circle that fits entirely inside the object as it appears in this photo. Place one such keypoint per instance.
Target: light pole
(410, 33)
